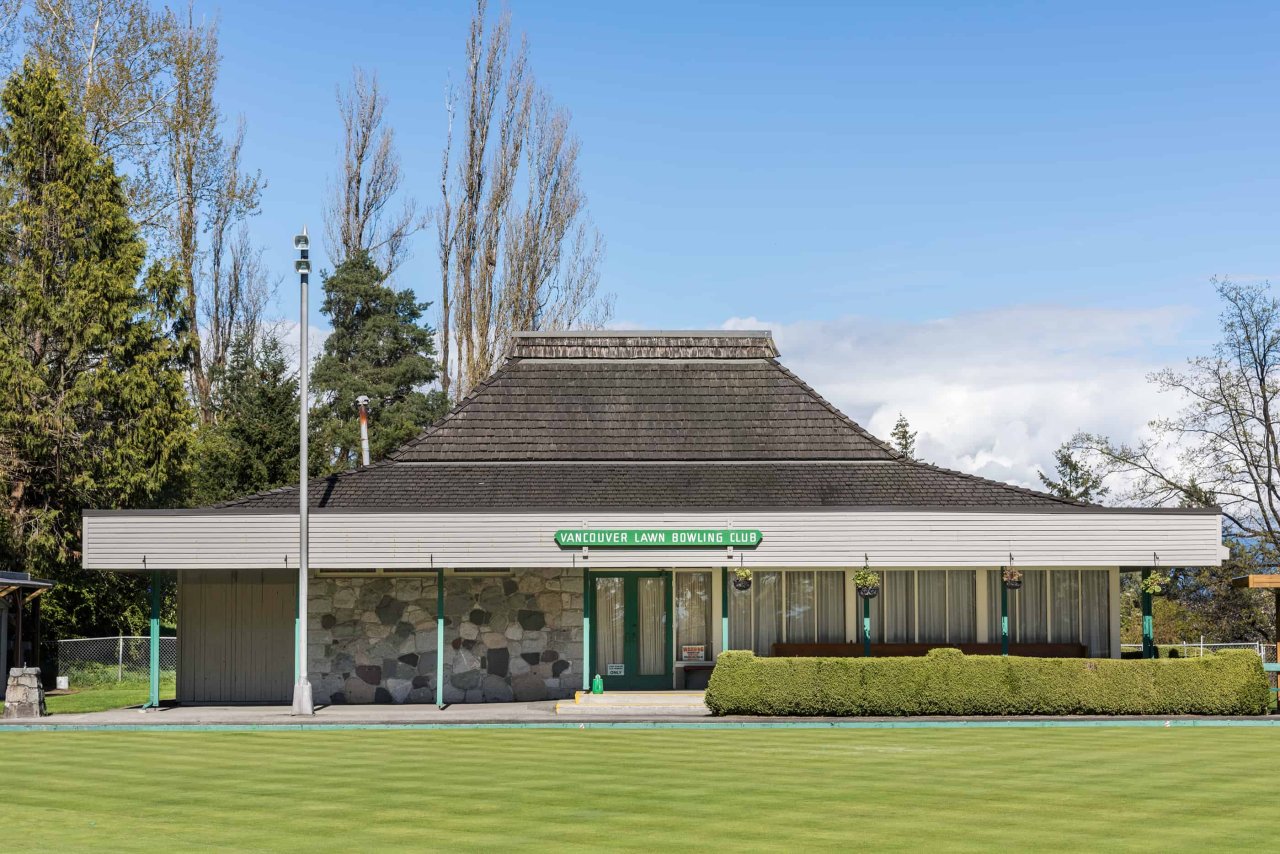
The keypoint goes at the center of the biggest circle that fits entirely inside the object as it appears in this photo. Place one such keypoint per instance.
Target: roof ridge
(830, 407)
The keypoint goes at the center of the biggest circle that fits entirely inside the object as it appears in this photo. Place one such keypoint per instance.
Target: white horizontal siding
(120, 541)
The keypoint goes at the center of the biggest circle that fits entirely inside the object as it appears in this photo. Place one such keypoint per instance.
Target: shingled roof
(647, 419)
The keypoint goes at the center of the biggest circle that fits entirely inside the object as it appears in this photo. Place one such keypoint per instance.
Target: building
(639, 468)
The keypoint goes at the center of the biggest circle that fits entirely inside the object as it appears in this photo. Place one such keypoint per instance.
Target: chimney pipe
(363, 402)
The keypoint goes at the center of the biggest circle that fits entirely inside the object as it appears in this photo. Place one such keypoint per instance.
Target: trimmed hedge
(948, 682)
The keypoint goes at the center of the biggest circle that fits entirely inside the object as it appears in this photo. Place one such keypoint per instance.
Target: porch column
(440, 638)
(724, 609)
(1148, 629)
(153, 702)
(586, 629)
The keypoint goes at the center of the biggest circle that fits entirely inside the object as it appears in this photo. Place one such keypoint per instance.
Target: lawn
(106, 695)
(1188, 789)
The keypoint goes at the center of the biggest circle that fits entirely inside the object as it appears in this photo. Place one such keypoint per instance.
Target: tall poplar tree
(94, 412)
(379, 347)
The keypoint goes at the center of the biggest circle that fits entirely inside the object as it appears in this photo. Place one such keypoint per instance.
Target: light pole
(302, 702)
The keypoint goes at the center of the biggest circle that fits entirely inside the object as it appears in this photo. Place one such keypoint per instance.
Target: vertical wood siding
(235, 636)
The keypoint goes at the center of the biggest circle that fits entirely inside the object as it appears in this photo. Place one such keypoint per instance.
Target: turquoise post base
(866, 627)
(1148, 626)
(1004, 618)
(153, 700)
(440, 638)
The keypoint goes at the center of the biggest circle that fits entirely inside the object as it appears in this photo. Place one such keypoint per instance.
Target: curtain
(830, 595)
(653, 626)
(898, 592)
(801, 614)
(610, 623)
(1064, 595)
(767, 587)
(962, 606)
(1095, 596)
(693, 610)
(931, 585)
(741, 623)
(1033, 607)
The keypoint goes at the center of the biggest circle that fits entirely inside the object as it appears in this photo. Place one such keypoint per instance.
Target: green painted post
(1148, 628)
(154, 701)
(1004, 618)
(586, 629)
(440, 638)
(723, 608)
(866, 627)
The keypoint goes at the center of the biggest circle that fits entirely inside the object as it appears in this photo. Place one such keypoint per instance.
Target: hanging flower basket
(742, 579)
(867, 583)
(1012, 578)
(1155, 584)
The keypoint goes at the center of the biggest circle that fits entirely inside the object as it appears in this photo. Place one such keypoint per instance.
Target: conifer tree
(903, 437)
(253, 446)
(379, 347)
(1076, 481)
(94, 413)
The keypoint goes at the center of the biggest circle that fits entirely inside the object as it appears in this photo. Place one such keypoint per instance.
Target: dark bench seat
(853, 650)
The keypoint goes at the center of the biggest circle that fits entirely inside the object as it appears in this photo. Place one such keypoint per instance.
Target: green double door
(631, 630)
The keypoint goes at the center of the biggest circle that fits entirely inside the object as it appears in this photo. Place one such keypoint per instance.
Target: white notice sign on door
(616, 670)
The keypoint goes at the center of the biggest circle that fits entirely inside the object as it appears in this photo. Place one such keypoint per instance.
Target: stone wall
(515, 637)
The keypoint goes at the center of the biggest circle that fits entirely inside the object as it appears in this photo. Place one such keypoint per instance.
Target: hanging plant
(1012, 577)
(741, 579)
(1154, 584)
(867, 583)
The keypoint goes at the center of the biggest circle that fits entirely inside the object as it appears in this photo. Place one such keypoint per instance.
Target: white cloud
(993, 393)
(286, 332)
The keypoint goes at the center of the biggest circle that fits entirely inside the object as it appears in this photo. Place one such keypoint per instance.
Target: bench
(854, 650)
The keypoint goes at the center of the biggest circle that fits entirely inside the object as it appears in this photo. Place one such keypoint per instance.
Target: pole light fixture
(302, 699)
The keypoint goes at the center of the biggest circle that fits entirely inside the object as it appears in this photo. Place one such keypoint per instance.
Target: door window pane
(693, 612)
(652, 626)
(932, 587)
(1065, 592)
(767, 587)
(801, 616)
(898, 592)
(962, 606)
(610, 614)
(830, 607)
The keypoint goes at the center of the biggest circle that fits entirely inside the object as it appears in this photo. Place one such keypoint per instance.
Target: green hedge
(947, 682)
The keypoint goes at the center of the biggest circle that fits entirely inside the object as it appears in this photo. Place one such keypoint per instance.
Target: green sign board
(658, 538)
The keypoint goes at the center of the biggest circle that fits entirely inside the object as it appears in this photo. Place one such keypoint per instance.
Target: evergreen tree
(379, 347)
(94, 412)
(1076, 481)
(903, 437)
(253, 445)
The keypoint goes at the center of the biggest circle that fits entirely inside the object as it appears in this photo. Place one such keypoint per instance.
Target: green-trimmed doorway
(631, 630)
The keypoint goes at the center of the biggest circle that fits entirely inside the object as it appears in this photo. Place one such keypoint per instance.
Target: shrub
(947, 682)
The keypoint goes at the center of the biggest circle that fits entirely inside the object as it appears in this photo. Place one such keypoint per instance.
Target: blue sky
(850, 168)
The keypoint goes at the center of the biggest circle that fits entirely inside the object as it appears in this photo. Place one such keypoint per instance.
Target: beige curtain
(831, 607)
(962, 606)
(610, 614)
(1095, 596)
(801, 615)
(653, 627)
(1064, 591)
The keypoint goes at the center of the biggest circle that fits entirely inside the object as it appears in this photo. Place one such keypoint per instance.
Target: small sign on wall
(615, 670)
(693, 652)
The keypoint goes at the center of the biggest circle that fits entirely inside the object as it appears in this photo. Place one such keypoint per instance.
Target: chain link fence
(89, 662)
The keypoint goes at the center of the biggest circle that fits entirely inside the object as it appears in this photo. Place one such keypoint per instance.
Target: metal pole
(586, 629)
(866, 627)
(1004, 618)
(439, 638)
(1148, 634)
(302, 700)
(153, 667)
(724, 608)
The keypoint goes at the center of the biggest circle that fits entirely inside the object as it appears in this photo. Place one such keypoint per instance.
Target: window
(1059, 605)
(693, 612)
(795, 606)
